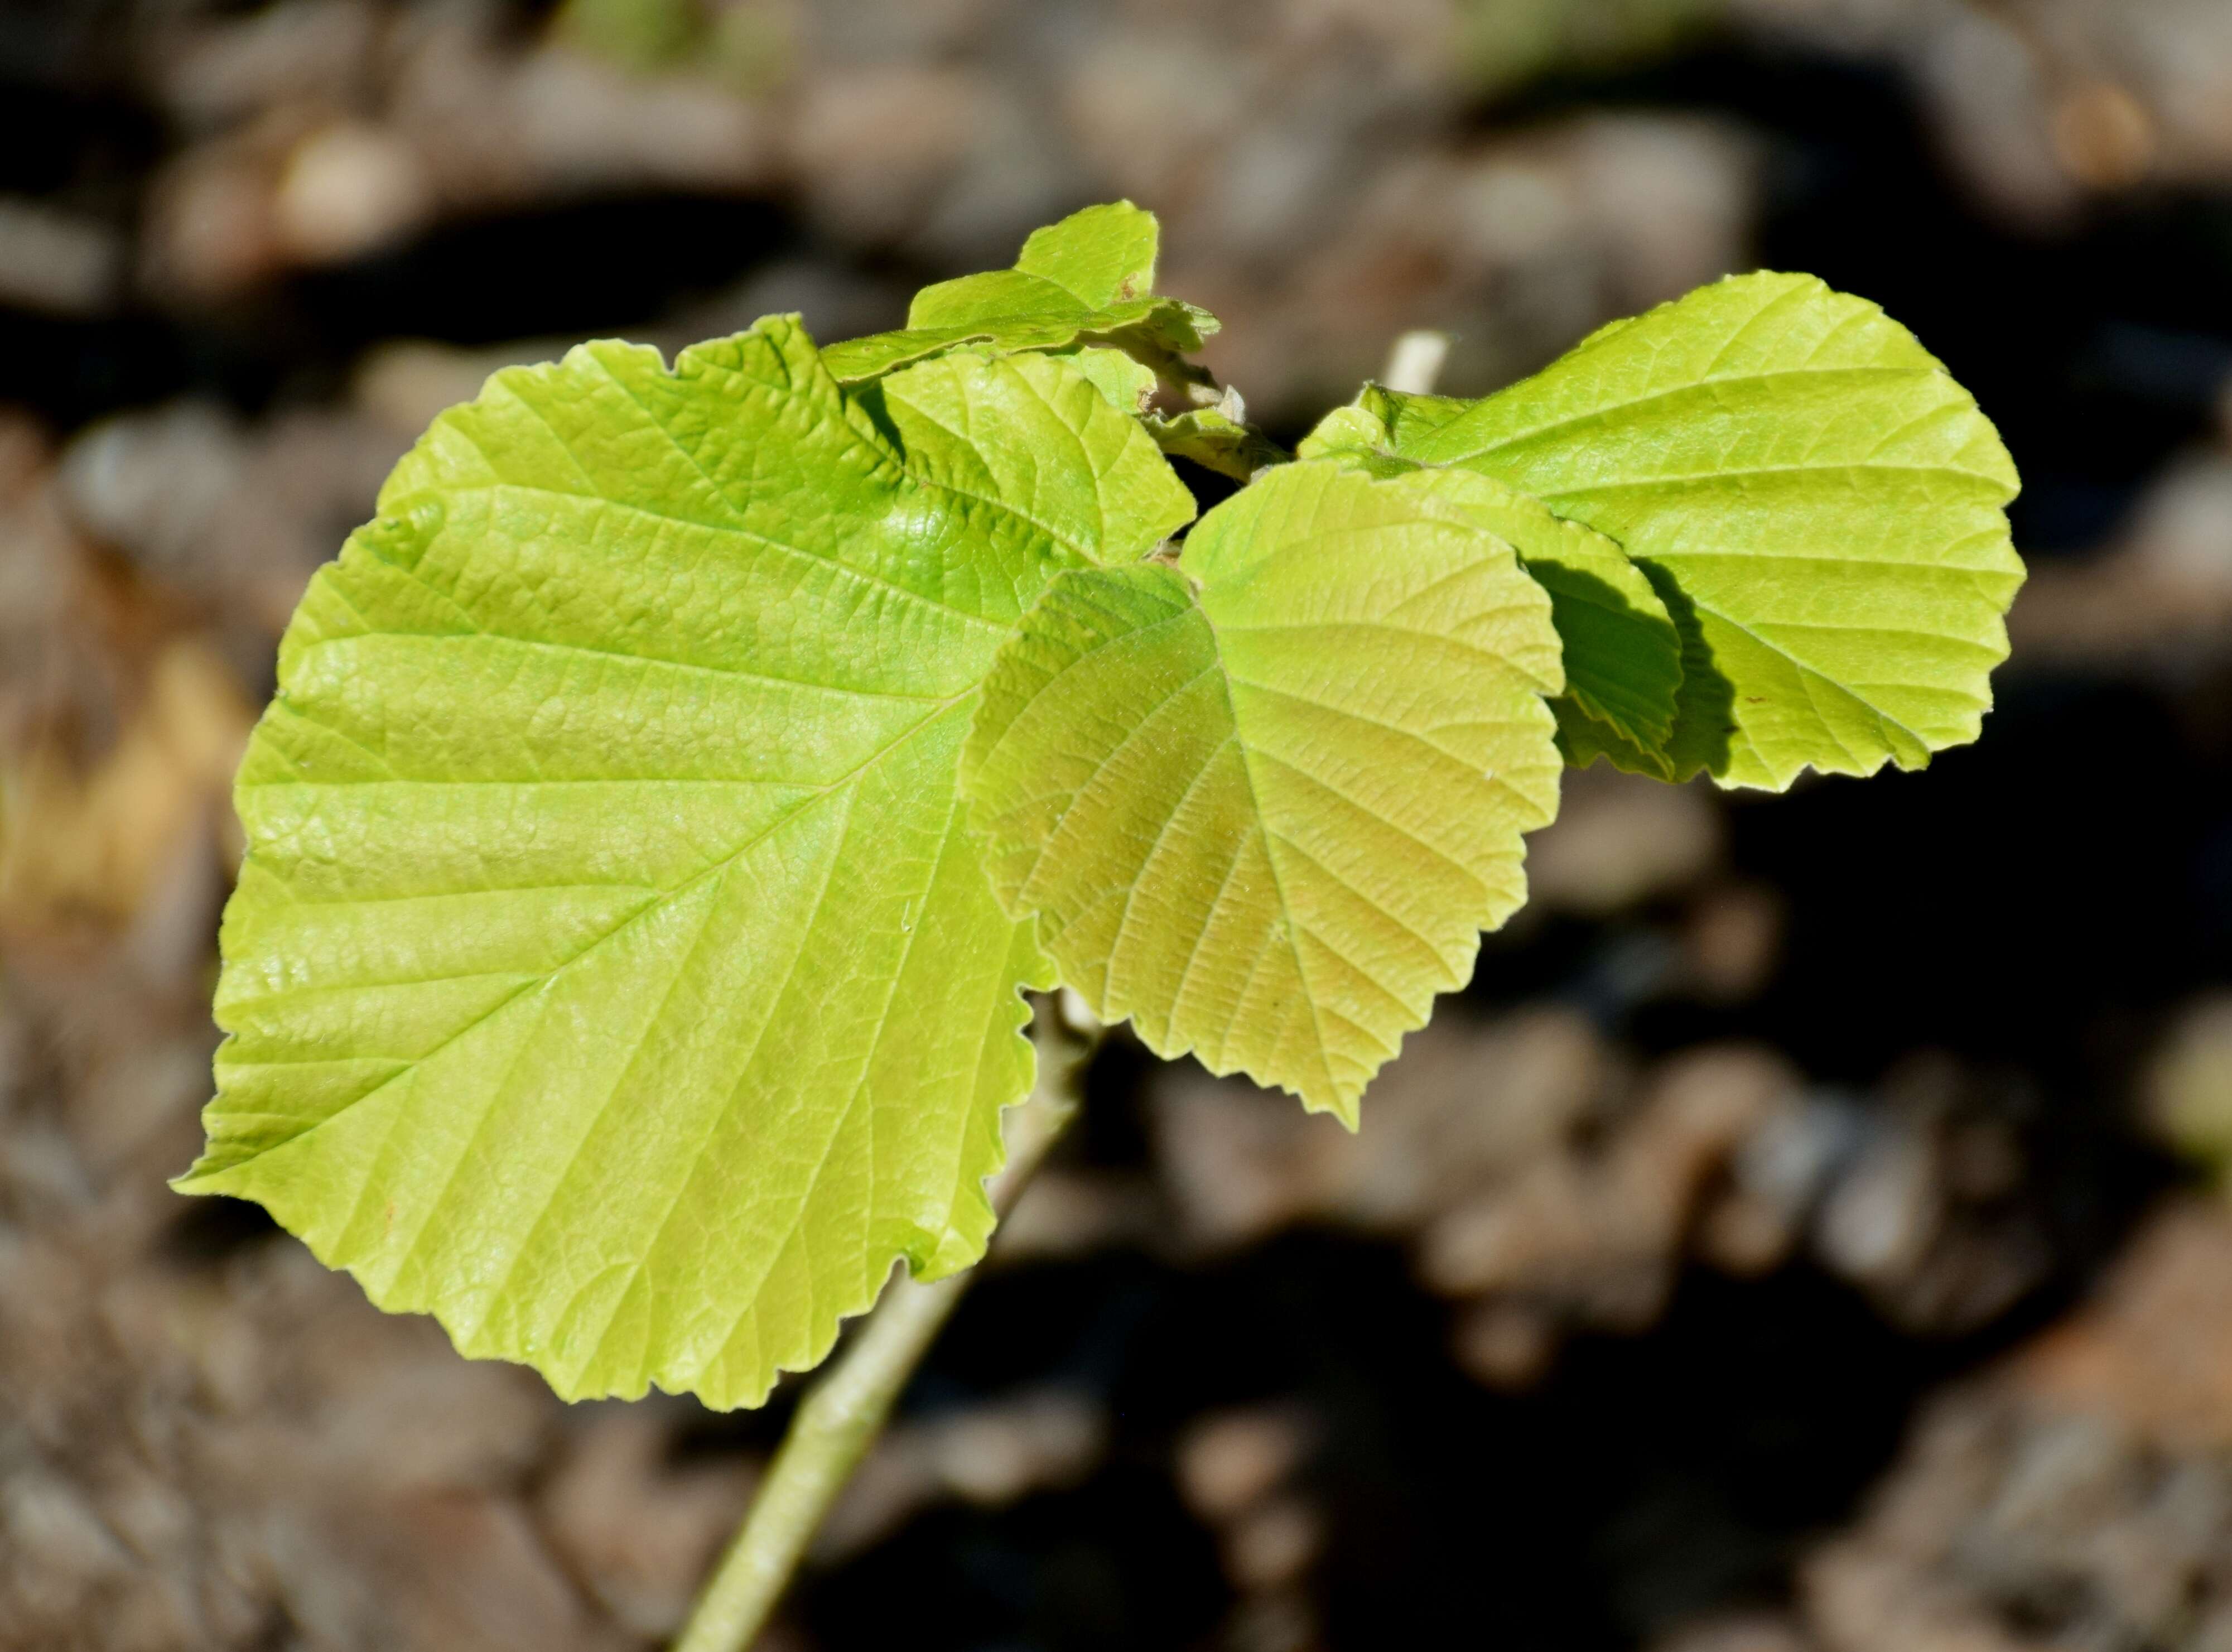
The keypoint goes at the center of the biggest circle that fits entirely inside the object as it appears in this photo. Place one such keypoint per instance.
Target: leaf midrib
(1344, 1103)
(1806, 671)
(633, 508)
(660, 902)
(1691, 478)
(1605, 410)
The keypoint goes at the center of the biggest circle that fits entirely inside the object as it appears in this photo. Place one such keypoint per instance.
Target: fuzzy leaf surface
(1263, 804)
(610, 974)
(1821, 506)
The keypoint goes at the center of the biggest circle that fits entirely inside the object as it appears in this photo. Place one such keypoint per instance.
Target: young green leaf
(1089, 278)
(1623, 656)
(610, 973)
(1263, 804)
(1128, 383)
(1821, 506)
(1095, 258)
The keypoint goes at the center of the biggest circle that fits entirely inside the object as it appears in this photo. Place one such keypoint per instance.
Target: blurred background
(1807, 1235)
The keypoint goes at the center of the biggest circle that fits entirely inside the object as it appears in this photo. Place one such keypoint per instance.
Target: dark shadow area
(1625, 660)
(209, 1230)
(1655, 1477)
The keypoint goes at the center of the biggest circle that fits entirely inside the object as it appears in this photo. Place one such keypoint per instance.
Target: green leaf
(1128, 384)
(1820, 505)
(1264, 803)
(610, 973)
(1623, 656)
(1087, 279)
(1097, 257)
(1087, 265)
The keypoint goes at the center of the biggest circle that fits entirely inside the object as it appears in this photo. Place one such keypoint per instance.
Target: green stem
(837, 1421)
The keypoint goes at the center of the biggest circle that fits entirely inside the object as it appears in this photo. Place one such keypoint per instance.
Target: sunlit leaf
(1264, 802)
(1089, 278)
(1820, 505)
(611, 975)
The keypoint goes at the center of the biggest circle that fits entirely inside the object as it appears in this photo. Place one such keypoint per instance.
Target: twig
(1415, 363)
(836, 1422)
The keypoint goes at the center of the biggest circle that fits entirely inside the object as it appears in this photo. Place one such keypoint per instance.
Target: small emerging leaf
(1128, 382)
(1263, 804)
(1089, 278)
(610, 974)
(1820, 505)
(1099, 256)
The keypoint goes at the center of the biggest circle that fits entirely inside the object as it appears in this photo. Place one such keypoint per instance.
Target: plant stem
(1415, 363)
(837, 1421)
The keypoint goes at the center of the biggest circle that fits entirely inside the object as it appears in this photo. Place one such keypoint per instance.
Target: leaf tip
(1346, 1107)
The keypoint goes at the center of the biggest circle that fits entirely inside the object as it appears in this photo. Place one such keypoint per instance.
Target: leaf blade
(1267, 818)
(1088, 279)
(1827, 505)
(1099, 255)
(610, 973)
